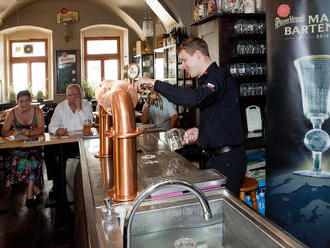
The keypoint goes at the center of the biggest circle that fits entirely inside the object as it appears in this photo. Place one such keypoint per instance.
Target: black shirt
(220, 120)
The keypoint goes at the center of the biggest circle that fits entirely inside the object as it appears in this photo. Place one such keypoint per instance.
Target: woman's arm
(5, 131)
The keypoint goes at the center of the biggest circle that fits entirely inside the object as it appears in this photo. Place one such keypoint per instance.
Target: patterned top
(17, 125)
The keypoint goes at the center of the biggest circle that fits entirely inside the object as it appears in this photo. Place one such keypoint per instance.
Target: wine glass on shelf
(314, 78)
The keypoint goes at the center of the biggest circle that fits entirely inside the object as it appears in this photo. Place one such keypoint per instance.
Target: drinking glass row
(253, 89)
(248, 69)
(249, 27)
(242, 6)
(250, 48)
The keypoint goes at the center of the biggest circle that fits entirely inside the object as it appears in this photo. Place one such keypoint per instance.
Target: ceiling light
(148, 24)
(148, 28)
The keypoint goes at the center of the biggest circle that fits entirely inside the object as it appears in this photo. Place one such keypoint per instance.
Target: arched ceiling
(130, 11)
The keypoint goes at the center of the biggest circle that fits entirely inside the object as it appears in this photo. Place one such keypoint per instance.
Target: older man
(68, 116)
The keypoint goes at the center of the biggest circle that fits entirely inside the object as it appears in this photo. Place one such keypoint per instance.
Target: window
(28, 66)
(102, 59)
(163, 13)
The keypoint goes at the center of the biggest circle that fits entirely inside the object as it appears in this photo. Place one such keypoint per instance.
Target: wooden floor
(22, 227)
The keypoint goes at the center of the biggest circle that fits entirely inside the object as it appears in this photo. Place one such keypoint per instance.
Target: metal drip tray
(203, 179)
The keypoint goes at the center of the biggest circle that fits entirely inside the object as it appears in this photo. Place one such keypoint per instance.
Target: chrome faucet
(144, 194)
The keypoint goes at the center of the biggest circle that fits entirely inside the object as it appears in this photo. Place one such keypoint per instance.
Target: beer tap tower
(118, 99)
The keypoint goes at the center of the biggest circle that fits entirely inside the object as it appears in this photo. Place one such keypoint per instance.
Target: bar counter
(155, 163)
(162, 221)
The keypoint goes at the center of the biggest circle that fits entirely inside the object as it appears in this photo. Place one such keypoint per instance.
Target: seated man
(164, 115)
(69, 115)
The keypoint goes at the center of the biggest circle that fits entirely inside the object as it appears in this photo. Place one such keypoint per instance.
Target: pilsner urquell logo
(311, 25)
(283, 10)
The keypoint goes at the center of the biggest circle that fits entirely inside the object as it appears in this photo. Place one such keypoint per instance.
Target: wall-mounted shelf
(146, 64)
(228, 15)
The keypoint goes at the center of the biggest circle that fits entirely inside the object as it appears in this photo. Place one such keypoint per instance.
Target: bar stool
(249, 185)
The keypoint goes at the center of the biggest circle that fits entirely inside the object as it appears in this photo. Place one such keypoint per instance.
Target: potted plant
(87, 90)
(11, 95)
(40, 96)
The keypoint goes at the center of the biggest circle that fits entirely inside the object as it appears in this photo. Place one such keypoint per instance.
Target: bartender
(220, 133)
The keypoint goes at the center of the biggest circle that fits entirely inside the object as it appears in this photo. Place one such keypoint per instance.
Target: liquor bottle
(205, 5)
(173, 36)
(195, 12)
(259, 6)
(211, 7)
(185, 33)
(201, 10)
(178, 36)
(249, 6)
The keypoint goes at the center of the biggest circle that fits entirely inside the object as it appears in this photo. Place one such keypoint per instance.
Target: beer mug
(87, 127)
(174, 138)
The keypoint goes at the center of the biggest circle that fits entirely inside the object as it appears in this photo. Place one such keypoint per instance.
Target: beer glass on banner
(314, 78)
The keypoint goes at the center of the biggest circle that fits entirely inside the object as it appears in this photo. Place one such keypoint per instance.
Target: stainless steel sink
(159, 223)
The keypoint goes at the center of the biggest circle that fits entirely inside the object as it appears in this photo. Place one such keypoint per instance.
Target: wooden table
(46, 139)
(49, 139)
(43, 140)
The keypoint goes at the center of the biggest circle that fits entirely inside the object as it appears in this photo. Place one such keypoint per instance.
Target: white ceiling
(131, 11)
(9, 6)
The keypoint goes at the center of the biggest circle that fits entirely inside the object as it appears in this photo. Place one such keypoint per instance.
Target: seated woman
(24, 164)
(164, 115)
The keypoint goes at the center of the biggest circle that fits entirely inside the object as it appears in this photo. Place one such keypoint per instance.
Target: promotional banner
(298, 125)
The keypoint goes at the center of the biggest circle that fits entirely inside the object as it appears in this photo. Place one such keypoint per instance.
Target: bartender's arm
(190, 136)
(179, 95)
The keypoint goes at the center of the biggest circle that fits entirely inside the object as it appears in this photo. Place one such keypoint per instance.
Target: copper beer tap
(118, 98)
(105, 123)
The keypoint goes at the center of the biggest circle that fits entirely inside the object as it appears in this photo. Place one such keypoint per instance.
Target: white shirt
(63, 117)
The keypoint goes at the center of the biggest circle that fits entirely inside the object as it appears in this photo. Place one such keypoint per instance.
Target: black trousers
(52, 157)
(231, 164)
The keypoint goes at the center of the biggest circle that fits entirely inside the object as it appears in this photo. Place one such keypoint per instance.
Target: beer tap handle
(107, 201)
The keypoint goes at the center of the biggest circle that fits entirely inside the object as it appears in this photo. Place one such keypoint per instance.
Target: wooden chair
(249, 185)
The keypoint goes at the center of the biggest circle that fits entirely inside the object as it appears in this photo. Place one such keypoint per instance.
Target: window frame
(102, 57)
(29, 61)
